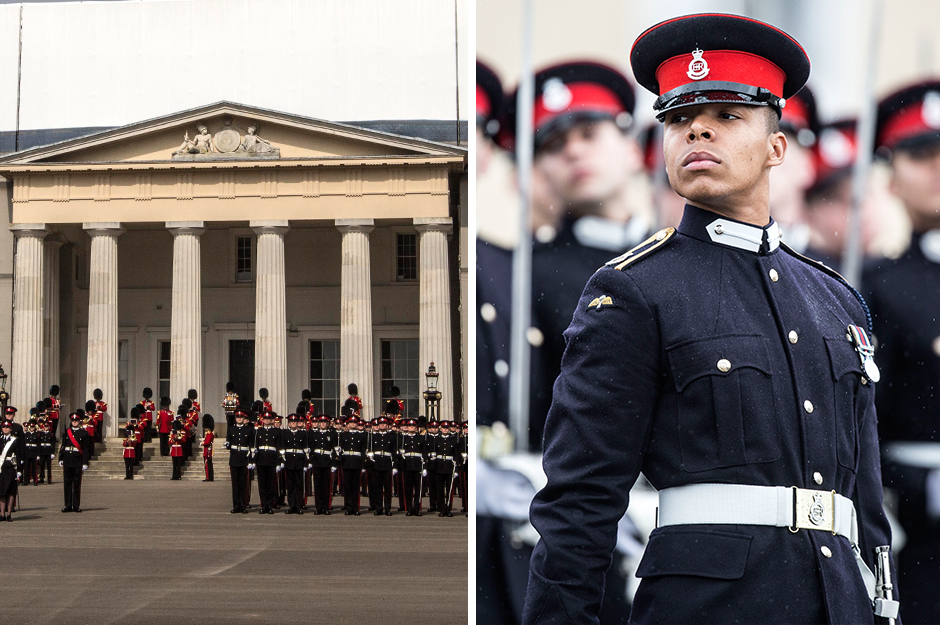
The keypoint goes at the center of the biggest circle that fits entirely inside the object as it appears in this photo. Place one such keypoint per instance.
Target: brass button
(864, 381)
(719, 229)
(660, 235)
(488, 312)
(808, 406)
(826, 551)
(793, 336)
(724, 365)
(817, 477)
(774, 276)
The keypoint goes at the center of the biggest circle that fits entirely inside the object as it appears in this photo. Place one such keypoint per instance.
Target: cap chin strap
(704, 92)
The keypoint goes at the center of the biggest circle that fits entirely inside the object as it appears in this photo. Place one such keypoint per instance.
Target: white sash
(3, 456)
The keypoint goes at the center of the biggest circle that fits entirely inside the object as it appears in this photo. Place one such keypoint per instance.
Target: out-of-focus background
(835, 34)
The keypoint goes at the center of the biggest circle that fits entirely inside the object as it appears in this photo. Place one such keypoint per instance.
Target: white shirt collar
(609, 235)
(743, 236)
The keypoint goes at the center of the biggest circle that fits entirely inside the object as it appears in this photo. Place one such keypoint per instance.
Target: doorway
(241, 369)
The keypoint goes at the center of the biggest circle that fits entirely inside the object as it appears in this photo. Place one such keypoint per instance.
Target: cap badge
(835, 148)
(930, 111)
(556, 95)
(698, 67)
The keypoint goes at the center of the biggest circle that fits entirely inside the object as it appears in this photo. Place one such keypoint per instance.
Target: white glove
(226, 444)
(363, 470)
(278, 468)
(394, 471)
(19, 476)
(464, 456)
(251, 467)
(84, 467)
(61, 464)
(371, 456)
(332, 469)
(424, 473)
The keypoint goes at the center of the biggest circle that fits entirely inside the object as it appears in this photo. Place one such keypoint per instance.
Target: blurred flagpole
(520, 353)
(865, 139)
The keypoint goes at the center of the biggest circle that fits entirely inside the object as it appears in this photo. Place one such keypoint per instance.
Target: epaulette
(641, 250)
(834, 274)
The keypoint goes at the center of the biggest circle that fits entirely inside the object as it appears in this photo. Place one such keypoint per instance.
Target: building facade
(234, 243)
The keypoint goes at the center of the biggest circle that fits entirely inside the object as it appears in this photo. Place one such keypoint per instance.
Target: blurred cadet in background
(789, 182)
(904, 298)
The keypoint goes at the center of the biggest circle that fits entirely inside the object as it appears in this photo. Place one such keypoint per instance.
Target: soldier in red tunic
(208, 428)
(130, 451)
(101, 408)
(164, 425)
(53, 410)
(176, 447)
(146, 414)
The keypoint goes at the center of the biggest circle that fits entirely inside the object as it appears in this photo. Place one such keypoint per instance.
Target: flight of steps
(108, 463)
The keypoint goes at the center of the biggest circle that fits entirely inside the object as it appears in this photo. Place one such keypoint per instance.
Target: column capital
(103, 229)
(355, 225)
(195, 228)
(434, 224)
(269, 226)
(30, 230)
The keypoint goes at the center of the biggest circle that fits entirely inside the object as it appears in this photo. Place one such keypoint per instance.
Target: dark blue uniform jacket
(640, 390)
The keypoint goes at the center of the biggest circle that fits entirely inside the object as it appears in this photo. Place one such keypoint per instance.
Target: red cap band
(906, 123)
(484, 106)
(724, 65)
(583, 96)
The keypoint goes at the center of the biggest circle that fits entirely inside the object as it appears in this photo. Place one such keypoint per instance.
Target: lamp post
(432, 396)
(4, 396)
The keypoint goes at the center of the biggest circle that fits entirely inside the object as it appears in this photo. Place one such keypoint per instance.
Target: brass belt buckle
(814, 509)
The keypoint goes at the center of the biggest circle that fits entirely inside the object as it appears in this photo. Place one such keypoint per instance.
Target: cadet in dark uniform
(589, 161)
(9, 470)
(46, 446)
(382, 451)
(321, 443)
(431, 438)
(295, 460)
(239, 442)
(266, 456)
(352, 444)
(446, 452)
(736, 375)
(74, 454)
(412, 454)
(904, 296)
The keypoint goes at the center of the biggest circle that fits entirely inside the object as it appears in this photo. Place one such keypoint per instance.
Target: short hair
(772, 116)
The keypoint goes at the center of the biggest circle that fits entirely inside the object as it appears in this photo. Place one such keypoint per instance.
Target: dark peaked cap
(757, 62)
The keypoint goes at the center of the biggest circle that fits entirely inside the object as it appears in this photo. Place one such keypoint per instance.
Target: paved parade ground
(148, 551)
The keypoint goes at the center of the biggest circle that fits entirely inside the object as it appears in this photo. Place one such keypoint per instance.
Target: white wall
(114, 63)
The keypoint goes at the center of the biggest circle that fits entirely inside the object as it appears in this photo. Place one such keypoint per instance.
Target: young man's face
(588, 163)
(915, 180)
(718, 154)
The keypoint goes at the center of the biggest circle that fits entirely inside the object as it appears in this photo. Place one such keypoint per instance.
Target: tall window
(407, 257)
(243, 260)
(164, 390)
(324, 377)
(400, 368)
(122, 381)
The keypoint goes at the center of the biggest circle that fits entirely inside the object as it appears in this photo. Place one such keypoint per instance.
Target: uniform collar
(707, 226)
(929, 243)
(607, 234)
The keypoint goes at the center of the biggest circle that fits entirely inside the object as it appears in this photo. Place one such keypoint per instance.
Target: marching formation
(316, 457)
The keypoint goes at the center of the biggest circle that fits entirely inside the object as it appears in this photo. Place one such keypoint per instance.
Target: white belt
(322, 451)
(381, 453)
(293, 451)
(774, 506)
(920, 454)
(73, 449)
(267, 448)
(238, 448)
(413, 454)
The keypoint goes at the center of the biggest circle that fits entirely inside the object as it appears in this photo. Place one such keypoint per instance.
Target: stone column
(434, 337)
(186, 313)
(271, 313)
(50, 312)
(102, 368)
(26, 368)
(355, 339)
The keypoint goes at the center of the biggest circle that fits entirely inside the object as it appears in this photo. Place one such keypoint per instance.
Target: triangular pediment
(276, 136)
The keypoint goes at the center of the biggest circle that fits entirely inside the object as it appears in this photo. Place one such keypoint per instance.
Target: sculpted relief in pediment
(226, 143)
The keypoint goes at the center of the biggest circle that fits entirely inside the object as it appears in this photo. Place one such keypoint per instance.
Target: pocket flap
(843, 358)
(700, 552)
(717, 355)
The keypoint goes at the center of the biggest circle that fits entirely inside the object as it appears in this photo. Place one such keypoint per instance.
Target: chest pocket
(846, 376)
(725, 402)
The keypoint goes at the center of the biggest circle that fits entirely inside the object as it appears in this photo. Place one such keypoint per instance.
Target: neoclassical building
(232, 243)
